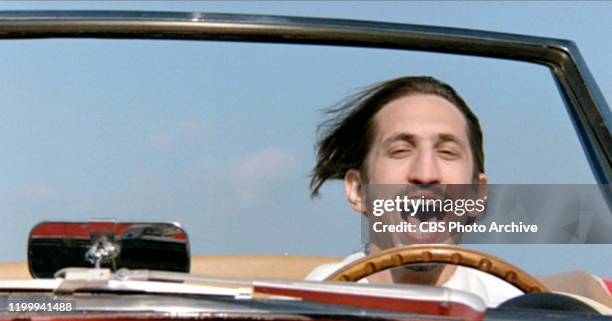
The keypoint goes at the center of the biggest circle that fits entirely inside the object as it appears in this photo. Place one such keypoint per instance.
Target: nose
(424, 169)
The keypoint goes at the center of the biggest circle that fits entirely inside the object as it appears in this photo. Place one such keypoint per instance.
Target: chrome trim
(143, 306)
(398, 291)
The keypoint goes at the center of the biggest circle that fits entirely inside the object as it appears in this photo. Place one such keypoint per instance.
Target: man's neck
(435, 275)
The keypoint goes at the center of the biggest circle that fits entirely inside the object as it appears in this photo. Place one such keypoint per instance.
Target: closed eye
(400, 152)
(449, 154)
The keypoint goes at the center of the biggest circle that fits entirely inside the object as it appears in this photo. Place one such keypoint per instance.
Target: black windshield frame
(585, 103)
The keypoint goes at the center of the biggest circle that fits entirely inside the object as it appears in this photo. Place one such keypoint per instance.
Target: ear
(483, 179)
(483, 193)
(353, 187)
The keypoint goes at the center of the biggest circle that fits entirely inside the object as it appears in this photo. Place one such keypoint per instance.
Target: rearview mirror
(53, 246)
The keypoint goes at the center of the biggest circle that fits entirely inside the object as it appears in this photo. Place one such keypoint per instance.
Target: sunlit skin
(418, 139)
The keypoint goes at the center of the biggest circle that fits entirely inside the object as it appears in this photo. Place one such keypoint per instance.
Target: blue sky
(220, 136)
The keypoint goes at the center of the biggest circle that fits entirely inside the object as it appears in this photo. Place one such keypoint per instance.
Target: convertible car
(109, 270)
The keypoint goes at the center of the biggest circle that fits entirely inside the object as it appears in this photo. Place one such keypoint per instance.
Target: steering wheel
(416, 254)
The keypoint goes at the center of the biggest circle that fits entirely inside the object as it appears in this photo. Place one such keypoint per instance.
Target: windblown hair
(345, 138)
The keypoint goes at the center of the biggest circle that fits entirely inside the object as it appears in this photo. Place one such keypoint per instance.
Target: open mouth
(428, 217)
(419, 216)
(427, 230)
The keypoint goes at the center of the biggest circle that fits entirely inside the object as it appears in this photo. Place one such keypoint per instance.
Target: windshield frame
(584, 101)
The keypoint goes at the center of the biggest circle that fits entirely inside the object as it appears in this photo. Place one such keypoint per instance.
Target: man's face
(418, 140)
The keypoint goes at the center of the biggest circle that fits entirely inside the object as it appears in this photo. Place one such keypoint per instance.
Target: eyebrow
(404, 137)
(411, 138)
(449, 138)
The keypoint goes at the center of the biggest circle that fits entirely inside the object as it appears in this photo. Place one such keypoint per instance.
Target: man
(415, 132)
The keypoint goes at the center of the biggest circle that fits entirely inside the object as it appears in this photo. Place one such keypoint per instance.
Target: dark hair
(346, 137)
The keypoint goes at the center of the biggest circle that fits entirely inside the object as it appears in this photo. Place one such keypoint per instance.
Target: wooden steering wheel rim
(415, 254)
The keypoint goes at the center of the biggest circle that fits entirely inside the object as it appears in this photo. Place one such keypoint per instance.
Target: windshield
(220, 137)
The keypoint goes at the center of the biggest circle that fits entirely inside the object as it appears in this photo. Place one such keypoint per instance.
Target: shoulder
(322, 271)
(490, 288)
